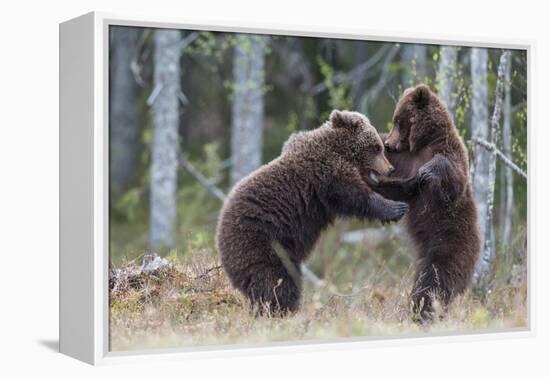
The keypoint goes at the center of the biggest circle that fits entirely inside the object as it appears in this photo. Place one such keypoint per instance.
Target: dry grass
(193, 304)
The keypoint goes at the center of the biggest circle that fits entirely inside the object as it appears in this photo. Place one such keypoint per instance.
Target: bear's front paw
(396, 211)
(426, 175)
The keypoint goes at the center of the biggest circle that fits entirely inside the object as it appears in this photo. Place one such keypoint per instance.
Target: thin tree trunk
(123, 124)
(359, 85)
(507, 146)
(165, 143)
(502, 197)
(480, 129)
(420, 56)
(414, 59)
(446, 76)
(485, 265)
(248, 105)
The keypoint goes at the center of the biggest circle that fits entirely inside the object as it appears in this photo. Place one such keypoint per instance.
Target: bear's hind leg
(273, 289)
(431, 282)
(265, 273)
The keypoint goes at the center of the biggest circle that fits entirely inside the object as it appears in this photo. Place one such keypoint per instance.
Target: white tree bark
(165, 143)
(248, 105)
(485, 265)
(414, 60)
(123, 92)
(359, 85)
(507, 146)
(480, 129)
(446, 76)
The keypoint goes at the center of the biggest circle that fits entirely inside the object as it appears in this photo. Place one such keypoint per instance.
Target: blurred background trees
(224, 103)
(247, 111)
(480, 128)
(164, 101)
(446, 76)
(507, 176)
(123, 108)
(486, 262)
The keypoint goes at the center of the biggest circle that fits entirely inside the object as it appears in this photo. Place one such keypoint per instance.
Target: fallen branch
(122, 279)
(219, 194)
(374, 235)
(208, 271)
(493, 149)
(210, 187)
(309, 275)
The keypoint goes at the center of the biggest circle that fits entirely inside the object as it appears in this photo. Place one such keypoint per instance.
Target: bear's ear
(344, 119)
(337, 119)
(421, 96)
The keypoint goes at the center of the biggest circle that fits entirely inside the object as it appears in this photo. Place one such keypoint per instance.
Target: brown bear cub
(431, 174)
(272, 218)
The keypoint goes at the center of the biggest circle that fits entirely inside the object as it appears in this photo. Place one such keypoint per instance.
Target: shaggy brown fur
(431, 167)
(273, 217)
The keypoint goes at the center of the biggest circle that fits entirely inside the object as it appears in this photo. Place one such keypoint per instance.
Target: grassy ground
(366, 294)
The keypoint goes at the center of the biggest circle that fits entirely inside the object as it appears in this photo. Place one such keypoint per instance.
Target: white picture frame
(84, 195)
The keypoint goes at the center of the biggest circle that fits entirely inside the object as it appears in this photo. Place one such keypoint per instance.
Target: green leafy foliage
(339, 97)
(127, 204)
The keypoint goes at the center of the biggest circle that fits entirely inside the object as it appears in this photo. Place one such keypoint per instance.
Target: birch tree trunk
(480, 129)
(507, 146)
(123, 93)
(446, 76)
(359, 85)
(165, 143)
(414, 58)
(485, 265)
(248, 105)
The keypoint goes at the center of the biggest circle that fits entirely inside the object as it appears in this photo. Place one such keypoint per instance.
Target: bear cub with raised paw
(272, 218)
(431, 174)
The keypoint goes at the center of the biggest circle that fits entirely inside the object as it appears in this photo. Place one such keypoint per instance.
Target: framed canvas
(229, 189)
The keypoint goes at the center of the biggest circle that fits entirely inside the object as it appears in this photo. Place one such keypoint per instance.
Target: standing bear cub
(272, 218)
(431, 174)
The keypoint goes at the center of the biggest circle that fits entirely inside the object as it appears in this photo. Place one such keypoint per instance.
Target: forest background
(193, 112)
